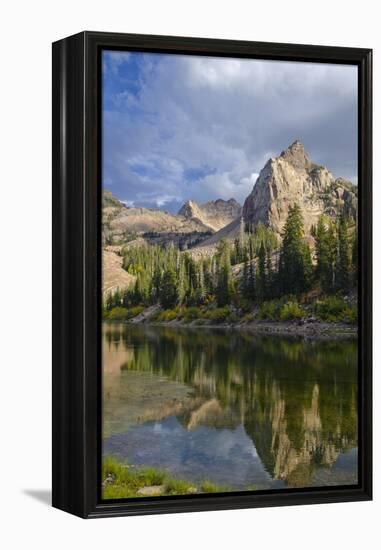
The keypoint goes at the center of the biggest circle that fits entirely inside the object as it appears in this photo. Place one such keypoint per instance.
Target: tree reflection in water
(293, 400)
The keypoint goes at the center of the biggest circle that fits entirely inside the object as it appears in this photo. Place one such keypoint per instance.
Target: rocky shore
(309, 327)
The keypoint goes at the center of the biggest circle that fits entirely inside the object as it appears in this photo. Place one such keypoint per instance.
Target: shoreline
(315, 329)
(286, 328)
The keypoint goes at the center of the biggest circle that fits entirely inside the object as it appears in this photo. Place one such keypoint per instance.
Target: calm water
(243, 411)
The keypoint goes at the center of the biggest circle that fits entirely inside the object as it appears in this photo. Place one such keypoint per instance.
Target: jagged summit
(214, 214)
(296, 155)
(292, 178)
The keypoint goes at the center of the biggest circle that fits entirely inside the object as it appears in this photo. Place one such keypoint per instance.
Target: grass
(123, 481)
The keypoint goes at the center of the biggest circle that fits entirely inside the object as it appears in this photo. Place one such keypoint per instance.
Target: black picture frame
(77, 273)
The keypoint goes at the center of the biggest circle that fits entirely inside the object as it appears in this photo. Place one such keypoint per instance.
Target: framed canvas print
(212, 274)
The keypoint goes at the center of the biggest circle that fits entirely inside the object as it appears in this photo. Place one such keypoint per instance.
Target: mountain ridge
(289, 178)
(215, 214)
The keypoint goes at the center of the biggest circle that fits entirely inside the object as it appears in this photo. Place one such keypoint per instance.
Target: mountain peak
(215, 214)
(296, 155)
(292, 178)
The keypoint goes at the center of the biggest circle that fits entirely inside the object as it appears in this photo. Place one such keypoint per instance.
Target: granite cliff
(292, 178)
(214, 214)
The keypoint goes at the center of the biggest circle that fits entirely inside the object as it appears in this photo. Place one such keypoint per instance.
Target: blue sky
(188, 127)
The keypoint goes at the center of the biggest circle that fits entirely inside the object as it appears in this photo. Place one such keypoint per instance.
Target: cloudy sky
(181, 127)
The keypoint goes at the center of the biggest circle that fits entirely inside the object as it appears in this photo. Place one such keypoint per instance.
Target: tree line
(254, 268)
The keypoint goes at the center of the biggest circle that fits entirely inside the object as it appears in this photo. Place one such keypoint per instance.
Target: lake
(244, 411)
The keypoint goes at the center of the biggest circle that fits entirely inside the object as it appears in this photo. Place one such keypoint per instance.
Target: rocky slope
(121, 223)
(213, 214)
(292, 178)
(113, 275)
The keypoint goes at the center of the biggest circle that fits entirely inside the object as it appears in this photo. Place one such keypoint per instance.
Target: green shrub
(191, 313)
(118, 314)
(167, 315)
(218, 315)
(232, 318)
(247, 318)
(134, 311)
(122, 313)
(331, 309)
(209, 299)
(242, 303)
(104, 314)
(284, 309)
(350, 315)
(269, 311)
(291, 311)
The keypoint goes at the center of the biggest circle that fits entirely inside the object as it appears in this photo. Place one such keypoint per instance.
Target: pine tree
(181, 285)
(322, 249)
(241, 241)
(126, 298)
(201, 283)
(270, 276)
(261, 280)
(117, 298)
(343, 256)
(141, 289)
(156, 283)
(295, 264)
(168, 294)
(225, 285)
(245, 278)
(251, 287)
(237, 252)
(109, 302)
(332, 256)
(355, 256)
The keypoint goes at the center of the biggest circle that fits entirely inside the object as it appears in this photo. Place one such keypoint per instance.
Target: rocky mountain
(292, 178)
(213, 214)
(284, 180)
(121, 223)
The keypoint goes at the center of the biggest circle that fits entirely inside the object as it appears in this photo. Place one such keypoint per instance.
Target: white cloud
(112, 60)
(128, 203)
(228, 115)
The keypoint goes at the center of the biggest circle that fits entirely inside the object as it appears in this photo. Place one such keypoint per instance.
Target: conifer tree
(245, 278)
(343, 256)
(181, 285)
(247, 283)
(156, 283)
(201, 283)
(168, 294)
(322, 249)
(117, 298)
(270, 278)
(225, 285)
(109, 302)
(261, 281)
(355, 256)
(295, 264)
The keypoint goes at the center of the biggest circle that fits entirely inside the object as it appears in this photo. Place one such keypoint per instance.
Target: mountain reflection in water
(243, 411)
